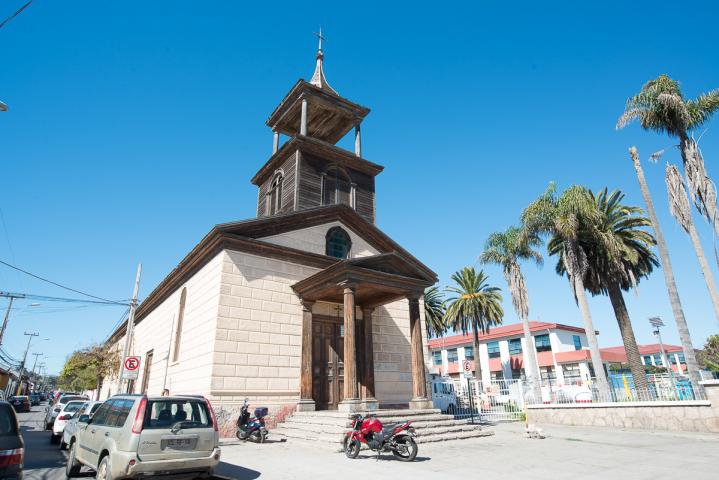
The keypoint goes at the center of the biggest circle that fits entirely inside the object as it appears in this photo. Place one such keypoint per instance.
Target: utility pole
(24, 358)
(130, 325)
(7, 312)
(35, 363)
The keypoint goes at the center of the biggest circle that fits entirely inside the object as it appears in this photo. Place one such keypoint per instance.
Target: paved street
(568, 452)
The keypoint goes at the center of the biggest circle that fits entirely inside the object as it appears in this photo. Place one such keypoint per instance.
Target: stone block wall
(313, 240)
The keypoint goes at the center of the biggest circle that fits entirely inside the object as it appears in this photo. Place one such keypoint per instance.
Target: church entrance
(327, 362)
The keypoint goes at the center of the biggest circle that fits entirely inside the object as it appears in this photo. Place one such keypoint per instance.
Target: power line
(55, 283)
(45, 298)
(15, 14)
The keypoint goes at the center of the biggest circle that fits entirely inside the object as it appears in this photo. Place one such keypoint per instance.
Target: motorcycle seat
(389, 429)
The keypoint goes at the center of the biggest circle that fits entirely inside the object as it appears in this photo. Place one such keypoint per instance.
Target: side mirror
(84, 419)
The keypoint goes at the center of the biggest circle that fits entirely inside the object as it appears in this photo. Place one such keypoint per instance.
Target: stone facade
(685, 416)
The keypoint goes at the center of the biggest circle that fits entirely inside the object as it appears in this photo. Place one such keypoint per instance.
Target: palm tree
(507, 249)
(682, 212)
(660, 106)
(618, 255)
(477, 306)
(434, 308)
(677, 310)
(561, 217)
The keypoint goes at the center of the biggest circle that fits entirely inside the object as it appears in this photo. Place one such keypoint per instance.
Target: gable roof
(246, 236)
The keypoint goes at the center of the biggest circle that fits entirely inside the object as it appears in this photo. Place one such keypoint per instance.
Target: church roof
(318, 78)
(246, 236)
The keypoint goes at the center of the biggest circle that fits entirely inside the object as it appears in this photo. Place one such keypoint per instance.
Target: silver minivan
(135, 436)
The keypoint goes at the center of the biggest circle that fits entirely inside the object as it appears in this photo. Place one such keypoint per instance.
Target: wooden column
(419, 383)
(368, 356)
(275, 141)
(358, 141)
(350, 346)
(306, 400)
(303, 118)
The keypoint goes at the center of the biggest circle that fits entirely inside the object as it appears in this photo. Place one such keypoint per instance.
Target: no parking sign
(131, 368)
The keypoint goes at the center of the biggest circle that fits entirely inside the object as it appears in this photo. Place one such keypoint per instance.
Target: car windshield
(166, 413)
(8, 424)
(73, 406)
(64, 400)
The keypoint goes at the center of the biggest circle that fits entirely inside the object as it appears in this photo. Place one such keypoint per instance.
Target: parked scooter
(252, 428)
(399, 438)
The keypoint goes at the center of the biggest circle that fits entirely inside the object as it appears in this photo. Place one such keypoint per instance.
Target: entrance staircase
(327, 428)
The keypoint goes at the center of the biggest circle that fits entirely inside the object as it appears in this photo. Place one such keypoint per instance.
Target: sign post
(467, 372)
(130, 368)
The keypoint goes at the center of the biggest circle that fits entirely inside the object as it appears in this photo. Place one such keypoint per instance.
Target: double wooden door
(327, 363)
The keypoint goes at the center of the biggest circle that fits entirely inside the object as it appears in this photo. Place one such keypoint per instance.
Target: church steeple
(318, 78)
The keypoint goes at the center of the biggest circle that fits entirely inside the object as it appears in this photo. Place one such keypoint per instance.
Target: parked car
(132, 436)
(87, 408)
(12, 447)
(34, 399)
(54, 409)
(444, 395)
(21, 403)
(63, 416)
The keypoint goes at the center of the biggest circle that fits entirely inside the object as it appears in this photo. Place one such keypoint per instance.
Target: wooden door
(327, 364)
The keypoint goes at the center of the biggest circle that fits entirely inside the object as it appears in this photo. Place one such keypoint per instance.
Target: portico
(364, 284)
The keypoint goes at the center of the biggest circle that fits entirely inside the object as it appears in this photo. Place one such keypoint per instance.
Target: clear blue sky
(136, 126)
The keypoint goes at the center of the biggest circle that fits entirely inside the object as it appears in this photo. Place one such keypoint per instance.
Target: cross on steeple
(320, 38)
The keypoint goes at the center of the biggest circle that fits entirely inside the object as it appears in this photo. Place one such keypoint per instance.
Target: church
(308, 306)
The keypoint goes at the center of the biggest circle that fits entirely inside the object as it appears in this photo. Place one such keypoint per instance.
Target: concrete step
(345, 420)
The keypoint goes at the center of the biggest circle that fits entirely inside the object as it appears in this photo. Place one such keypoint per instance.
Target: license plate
(179, 443)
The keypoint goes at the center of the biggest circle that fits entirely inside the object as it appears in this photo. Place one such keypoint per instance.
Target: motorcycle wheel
(241, 435)
(351, 447)
(406, 449)
(258, 436)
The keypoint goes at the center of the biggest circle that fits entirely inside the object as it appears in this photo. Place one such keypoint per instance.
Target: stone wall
(687, 416)
(313, 239)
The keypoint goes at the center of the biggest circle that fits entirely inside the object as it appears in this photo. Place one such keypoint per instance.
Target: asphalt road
(42, 460)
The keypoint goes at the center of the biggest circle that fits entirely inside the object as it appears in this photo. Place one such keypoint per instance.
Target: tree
(709, 356)
(434, 308)
(677, 310)
(619, 255)
(660, 106)
(507, 249)
(561, 217)
(476, 306)
(682, 213)
(87, 368)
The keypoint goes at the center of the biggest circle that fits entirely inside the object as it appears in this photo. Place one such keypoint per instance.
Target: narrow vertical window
(337, 188)
(274, 196)
(178, 330)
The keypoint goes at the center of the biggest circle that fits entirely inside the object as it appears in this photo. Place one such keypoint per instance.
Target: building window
(337, 243)
(437, 357)
(493, 349)
(658, 360)
(336, 187)
(542, 343)
(647, 359)
(499, 375)
(547, 374)
(274, 196)
(577, 342)
(146, 374)
(515, 346)
(178, 328)
(452, 355)
(572, 375)
(469, 353)
(518, 374)
(681, 358)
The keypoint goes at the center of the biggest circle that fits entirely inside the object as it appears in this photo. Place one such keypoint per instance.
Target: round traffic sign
(132, 363)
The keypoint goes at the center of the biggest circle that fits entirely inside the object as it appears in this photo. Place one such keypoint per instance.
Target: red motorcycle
(398, 438)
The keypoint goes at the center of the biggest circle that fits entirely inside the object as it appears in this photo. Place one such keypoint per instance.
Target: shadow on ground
(235, 472)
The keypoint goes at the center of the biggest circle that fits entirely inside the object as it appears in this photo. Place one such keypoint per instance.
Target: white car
(65, 414)
(444, 395)
(87, 408)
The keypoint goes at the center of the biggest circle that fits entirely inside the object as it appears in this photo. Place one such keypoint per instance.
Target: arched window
(336, 187)
(338, 243)
(274, 196)
(178, 328)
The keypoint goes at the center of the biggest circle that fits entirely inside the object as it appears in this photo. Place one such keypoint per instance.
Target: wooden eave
(319, 148)
(330, 116)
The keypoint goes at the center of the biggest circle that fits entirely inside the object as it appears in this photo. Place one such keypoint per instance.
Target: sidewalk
(566, 453)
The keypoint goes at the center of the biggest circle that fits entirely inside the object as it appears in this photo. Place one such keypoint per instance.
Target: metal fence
(505, 400)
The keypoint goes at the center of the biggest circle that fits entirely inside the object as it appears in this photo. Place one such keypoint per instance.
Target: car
(135, 436)
(34, 399)
(87, 408)
(12, 446)
(55, 408)
(21, 403)
(65, 414)
(444, 395)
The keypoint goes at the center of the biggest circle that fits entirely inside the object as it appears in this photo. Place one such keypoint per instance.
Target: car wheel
(72, 468)
(103, 470)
